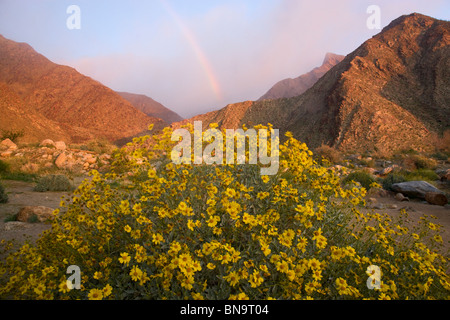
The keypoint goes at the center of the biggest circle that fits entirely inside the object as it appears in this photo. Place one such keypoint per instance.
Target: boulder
(6, 154)
(60, 145)
(91, 160)
(415, 189)
(8, 143)
(436, 198)
(42, 213)
(61, 160)
(47, 143)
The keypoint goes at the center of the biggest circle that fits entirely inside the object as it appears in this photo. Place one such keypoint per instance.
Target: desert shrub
(416, 161)
(370, 163)
(225, 232)
(409, 151)
(53, 182)
(19, 176)
(391, 179)
(100, 146)
(12, 135)
(364, 178)
(3, 195)
(440, 156)
(4, 167)
(443, 142)
(421, 174)
(328, 153)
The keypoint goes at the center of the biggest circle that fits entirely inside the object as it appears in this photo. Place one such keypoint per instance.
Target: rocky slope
(289, 88)
(391, 93)
(151, 107)
(74, 107)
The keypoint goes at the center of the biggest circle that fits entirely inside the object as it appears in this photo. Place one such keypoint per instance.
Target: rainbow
(201, 56)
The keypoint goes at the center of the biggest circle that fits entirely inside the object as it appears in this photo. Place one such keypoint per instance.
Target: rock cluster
(51, 153)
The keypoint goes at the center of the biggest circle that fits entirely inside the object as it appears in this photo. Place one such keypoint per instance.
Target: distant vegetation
(328, 153)
(13, 135)
(3, 195)
(53, 182)
(364, 178)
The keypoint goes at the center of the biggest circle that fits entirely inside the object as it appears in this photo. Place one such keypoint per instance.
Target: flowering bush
(154, 230)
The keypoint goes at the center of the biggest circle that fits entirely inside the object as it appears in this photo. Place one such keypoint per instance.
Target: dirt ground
(21, 194)
(417, 208)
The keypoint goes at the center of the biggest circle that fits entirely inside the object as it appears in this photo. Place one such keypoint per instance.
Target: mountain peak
(289, 88)
(332, 58)
(413, 19)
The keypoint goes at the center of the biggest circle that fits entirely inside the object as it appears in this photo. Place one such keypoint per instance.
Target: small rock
(378, 206)
(11, 145)
(42, 213)
(388, 170)
(436, 198)
(15, 225)
(392, 206)
(400, 197)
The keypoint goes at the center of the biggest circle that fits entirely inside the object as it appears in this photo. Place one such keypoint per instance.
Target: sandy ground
(416, 209)
(21, 194)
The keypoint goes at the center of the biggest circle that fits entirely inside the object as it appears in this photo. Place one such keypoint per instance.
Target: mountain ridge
(150, 107)
(292, 87)
(391, 93)
(84, 107)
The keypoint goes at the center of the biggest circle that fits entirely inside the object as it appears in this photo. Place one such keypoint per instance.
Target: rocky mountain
(391, 93)
(289, 88)
(151, 107)
(40, 96)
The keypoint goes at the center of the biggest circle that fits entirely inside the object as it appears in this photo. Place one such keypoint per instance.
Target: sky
(195, 56)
